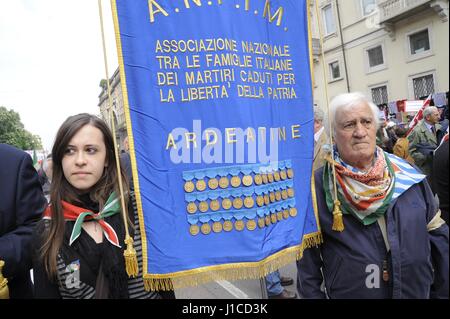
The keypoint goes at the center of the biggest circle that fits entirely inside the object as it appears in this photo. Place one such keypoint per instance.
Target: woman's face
(85, 158)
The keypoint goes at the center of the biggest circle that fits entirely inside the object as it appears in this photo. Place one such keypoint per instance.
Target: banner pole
(130, 253)
(337, 213)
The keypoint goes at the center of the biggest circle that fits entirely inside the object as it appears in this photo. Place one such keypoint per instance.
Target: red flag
(419, 115)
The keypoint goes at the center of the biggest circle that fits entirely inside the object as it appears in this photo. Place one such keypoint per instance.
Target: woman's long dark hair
(61, 189)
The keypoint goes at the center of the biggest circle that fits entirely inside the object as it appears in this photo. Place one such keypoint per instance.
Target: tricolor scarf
(80, 215)
(365, 195)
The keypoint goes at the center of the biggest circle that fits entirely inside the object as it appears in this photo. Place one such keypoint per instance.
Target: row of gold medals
(238, 203)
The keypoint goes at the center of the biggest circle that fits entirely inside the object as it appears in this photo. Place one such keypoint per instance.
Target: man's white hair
(429, 110)
(349, 100)
(319, 115)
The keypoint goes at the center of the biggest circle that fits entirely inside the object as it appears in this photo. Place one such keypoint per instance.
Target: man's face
(355, 135)
(317, 125)
(434, 117)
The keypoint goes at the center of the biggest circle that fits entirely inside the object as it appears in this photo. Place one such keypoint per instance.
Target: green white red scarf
(366, 196)
(80, 215)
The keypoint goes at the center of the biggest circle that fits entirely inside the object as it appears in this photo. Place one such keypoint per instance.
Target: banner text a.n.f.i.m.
(218, 101)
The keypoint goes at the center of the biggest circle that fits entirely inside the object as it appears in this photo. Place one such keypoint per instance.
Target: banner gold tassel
(131, 263)
(4, 290)
(338, 221)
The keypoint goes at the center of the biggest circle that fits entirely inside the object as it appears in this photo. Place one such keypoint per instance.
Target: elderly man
(386, 238)
(320, 139)
(423, 140)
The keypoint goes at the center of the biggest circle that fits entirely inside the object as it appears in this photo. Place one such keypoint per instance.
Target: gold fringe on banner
(232, 272)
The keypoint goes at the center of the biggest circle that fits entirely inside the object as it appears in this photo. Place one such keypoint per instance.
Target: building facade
(117, 107)
(388, 49)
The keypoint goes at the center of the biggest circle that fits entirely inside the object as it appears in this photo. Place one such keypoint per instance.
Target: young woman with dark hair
(78, 255)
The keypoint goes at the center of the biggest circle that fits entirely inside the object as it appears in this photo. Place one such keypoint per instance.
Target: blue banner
(218, 101)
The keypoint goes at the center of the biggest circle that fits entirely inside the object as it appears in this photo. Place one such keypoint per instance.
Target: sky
(51, 60)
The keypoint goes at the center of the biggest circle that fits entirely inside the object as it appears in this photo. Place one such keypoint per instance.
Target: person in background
(125, 161)
(79, 245)
(320, 139)
(45, 175)
(441, 176)
(382, 236)
(275, 286)
(401, 148)
(21, 205)
(384, 136)
(424, 139)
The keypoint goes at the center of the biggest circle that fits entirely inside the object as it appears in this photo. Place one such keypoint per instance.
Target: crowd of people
(383, 217)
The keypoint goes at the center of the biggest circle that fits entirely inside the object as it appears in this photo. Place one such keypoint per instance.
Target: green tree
(13, 132)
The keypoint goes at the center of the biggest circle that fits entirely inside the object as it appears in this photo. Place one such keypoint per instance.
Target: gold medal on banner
(224, 182)
(273, 218)
(267, 220)
(293, 212)
(276, 176)
(227, 225)
(213, 183)
(205, 229)
(290, 192)
(235, 181)
(260, 200)
(192, 208)
(194, 230)
(283, 175)
(270, 177)
(251, 224)
(290, 173)
(214, 205)
(285, 214)
(265, 179)
(280, 216)
(239, 225)
(266, 199)
(249, 202)
(284, 194)
(217, 227)
(272, 197)
(258, 179)
(200, 185)
(189, 187)
(203, 207)
(247, 180)
(226, 203)
(238, 203)
(278, 196)
(261, 222)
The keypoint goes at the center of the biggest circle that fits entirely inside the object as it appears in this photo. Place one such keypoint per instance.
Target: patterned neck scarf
(365, 195)
(80, 215)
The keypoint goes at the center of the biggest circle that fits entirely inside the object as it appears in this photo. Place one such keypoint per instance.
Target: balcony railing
(391, 10)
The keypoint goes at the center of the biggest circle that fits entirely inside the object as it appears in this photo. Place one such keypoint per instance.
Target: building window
(375, 56)
(419, 42)
(367, 7)
(380, 95)
(328, 18)
(335, 71)
(423, 86)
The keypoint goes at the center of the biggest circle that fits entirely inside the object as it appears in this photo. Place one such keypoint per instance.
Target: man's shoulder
(8, 150)
(11, 156)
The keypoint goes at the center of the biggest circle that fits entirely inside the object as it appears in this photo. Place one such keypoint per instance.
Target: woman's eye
(69, 151)
(91, 150)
